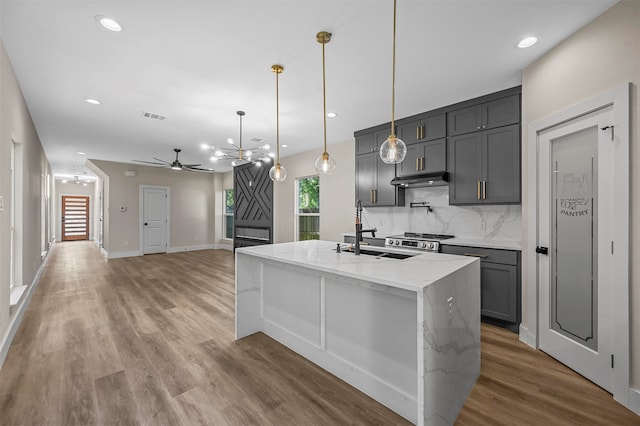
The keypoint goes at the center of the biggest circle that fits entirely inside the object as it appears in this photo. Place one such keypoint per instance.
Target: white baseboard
(20, 310)
(189, 248)
(119, 254)
(526, 338)
(634, 400)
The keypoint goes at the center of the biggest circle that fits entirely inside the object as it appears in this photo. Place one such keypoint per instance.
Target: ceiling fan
(176, 164)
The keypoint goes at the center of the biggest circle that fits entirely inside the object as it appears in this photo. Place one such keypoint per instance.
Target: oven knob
(430, 245)
(423, 245)
(397, 242)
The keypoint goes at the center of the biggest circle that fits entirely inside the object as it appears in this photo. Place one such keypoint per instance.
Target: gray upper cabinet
(422, 129)
(424, 157)
(488, 115)
(484, 167)
(373, 179)
(371, 142)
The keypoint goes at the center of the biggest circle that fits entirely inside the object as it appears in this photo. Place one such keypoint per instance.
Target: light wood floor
(149, 340)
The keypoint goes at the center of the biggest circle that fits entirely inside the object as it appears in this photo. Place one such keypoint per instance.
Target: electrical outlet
(1, 203)
(126, 243)
(450, 306)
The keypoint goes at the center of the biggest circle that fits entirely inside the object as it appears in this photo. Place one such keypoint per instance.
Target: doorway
(578, 284)
(155, 219)
(75, 218)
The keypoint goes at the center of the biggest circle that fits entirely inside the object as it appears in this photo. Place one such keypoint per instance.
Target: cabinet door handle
(484, 189)
(479, 189)
(421, 163)
(481, 256)
(479, 127)
(375, 196)
(371, 196)
(422, 131)
(417, 132)
(417, 164)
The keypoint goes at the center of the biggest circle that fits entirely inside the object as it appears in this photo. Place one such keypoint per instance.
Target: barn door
(75, 218)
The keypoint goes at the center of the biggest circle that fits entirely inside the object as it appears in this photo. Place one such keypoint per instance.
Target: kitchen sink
(388, 255)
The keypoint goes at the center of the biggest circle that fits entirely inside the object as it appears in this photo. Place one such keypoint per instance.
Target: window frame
(296, 207)
(226, 214)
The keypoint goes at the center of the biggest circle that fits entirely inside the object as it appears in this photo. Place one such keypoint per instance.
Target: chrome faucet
(359, 229)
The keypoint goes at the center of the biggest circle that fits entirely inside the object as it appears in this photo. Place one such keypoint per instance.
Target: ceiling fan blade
(198, 169)
(151, 162)
(162, 161)
(191, 165)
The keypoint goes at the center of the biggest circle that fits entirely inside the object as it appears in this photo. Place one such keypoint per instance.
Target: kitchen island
(405, 332)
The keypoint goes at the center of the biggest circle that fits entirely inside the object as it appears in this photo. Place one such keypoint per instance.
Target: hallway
(149, 340)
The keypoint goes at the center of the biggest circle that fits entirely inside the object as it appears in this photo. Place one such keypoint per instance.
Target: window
(308, 208)
(228, 213)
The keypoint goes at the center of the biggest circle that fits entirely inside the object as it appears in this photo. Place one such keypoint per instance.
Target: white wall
(16, 124)
(192, 208)
(337, 193)
(601, 56)
(70, 188)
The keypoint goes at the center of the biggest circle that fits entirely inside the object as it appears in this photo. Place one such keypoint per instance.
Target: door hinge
(612, 129)
(611, 360)
(611, 247)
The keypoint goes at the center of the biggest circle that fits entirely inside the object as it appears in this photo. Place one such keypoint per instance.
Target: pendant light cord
(277, 121)
(324, 99)
(393, 74)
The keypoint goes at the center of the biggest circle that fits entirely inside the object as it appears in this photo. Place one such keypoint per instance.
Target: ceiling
(198, 62)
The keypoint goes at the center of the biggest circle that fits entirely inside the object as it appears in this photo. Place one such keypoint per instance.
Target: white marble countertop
(414, 273)
(496, 244)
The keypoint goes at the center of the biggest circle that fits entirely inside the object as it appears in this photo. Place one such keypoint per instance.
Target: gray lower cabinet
(500, 285)
(484, 167)
(488, 115)
(373, 179)
(424, 157)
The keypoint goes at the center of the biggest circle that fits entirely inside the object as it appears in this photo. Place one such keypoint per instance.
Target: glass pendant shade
(325, 164)
(393, 150)
(278, 173)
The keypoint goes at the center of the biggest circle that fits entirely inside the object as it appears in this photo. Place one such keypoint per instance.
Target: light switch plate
(1, 203)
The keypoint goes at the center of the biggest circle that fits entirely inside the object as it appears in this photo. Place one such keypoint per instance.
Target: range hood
(423, 180)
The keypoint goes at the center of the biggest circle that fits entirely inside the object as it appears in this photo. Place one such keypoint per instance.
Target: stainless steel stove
(418, 241)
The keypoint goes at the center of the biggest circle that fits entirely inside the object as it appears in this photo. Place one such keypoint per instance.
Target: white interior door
(575, 217)
(154, 220)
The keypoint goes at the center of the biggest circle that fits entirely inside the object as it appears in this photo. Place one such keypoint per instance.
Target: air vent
(153, 115)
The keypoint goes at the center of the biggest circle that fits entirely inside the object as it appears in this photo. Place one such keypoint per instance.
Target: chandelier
(238, 154)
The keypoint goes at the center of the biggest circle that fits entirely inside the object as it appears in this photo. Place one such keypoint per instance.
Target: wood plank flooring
(149, 340)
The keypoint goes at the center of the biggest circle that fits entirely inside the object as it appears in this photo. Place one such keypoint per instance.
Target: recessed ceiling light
(527, 42)
(64, 181)
(92, 101)
(109, 23)
(284, 146)
(81, 153)
(332, 114)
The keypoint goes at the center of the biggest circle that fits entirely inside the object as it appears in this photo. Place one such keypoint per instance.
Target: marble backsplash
(490, 222)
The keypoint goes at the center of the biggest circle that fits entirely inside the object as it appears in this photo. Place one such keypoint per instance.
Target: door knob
(542, 250)
(145, 224)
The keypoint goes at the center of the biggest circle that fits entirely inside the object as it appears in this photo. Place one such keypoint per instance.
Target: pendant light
(324, 163)
(277, 173)
(393, 150)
